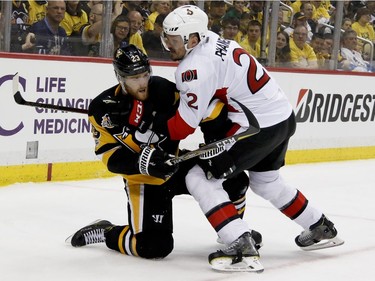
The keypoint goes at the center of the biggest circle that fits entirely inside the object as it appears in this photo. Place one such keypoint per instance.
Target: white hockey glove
(152, 162)
(217, 163)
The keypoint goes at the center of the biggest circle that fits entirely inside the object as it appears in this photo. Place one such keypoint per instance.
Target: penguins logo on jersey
(106, 122)
(189, 75)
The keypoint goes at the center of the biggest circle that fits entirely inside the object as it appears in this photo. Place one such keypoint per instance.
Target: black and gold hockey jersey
(122, 126)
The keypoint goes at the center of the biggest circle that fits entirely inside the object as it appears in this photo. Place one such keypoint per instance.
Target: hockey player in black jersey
(122, 118)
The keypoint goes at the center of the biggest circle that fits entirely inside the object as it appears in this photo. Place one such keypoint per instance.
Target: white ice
(35, 220)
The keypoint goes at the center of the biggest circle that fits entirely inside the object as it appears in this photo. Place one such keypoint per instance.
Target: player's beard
(140, 94)
(175, 55)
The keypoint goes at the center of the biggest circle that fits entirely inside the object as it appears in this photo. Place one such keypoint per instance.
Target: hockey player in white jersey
(214, 68)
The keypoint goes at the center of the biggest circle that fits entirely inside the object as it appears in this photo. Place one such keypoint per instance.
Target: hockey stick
(20, 100)
(252, 130)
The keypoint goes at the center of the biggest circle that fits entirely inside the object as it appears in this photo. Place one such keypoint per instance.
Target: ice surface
(35, 220)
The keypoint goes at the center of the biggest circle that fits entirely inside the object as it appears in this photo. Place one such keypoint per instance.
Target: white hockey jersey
(219, 68)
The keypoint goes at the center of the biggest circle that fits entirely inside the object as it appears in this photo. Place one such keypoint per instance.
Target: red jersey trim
(178, 129)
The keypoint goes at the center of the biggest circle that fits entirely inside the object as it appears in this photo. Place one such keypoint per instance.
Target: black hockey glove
(217, 163)
(152, 162)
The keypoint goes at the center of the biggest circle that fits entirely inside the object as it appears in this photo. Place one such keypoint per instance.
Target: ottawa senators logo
(189, 75)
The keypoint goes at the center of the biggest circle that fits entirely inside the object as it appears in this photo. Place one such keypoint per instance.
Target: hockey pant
(149, 232)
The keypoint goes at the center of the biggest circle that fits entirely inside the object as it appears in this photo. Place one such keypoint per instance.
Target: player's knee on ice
(154, 245)
(149, 245)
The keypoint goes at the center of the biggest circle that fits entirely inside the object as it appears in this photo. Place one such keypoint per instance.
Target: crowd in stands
(304, 35)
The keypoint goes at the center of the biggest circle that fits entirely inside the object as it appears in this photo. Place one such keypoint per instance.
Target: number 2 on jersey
(253, 83)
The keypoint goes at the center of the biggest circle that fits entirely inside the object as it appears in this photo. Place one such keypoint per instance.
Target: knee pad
(151, 245)
(272, 187)
(208, 193)
(237, 186)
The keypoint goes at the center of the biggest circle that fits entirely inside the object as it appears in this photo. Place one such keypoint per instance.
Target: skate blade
(69, 239)
(248, 264)
(334, 242)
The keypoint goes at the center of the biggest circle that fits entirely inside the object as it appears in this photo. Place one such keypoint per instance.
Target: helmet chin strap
(188, 50)
(122, 84)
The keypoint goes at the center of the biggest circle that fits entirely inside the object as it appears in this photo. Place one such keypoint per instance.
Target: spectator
(210, 22)
(308, 10)
(152, 42)
(217, 11)
(238, 8)
(157, 8)
(136, 22)
(299, 19)
(346, 24)
(230, 28)
(36, 10)
(244, 22)
(74, 20)
(20, 14)
(144, 9)
(317, 43)
(302, 54)
(328, 46)
(352, 59)
(371, 6)
(256, 10)
(19, 25)
(282, 56)
(363, 28)
(91, 32)
(47, 36)
(321, 14)
(349, 9)
(129, 6)
(87, 5)
(251, 44)
(120, 30)
(328, 41)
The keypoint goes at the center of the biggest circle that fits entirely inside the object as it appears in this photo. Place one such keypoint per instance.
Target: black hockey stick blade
(20, 100)
(252, 130)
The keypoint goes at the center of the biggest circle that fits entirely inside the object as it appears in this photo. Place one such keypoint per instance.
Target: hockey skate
(241, 255)
(90, 234)
(254, 234)
(320, 235)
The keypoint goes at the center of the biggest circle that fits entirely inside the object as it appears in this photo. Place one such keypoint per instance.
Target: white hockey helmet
(186, 20)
